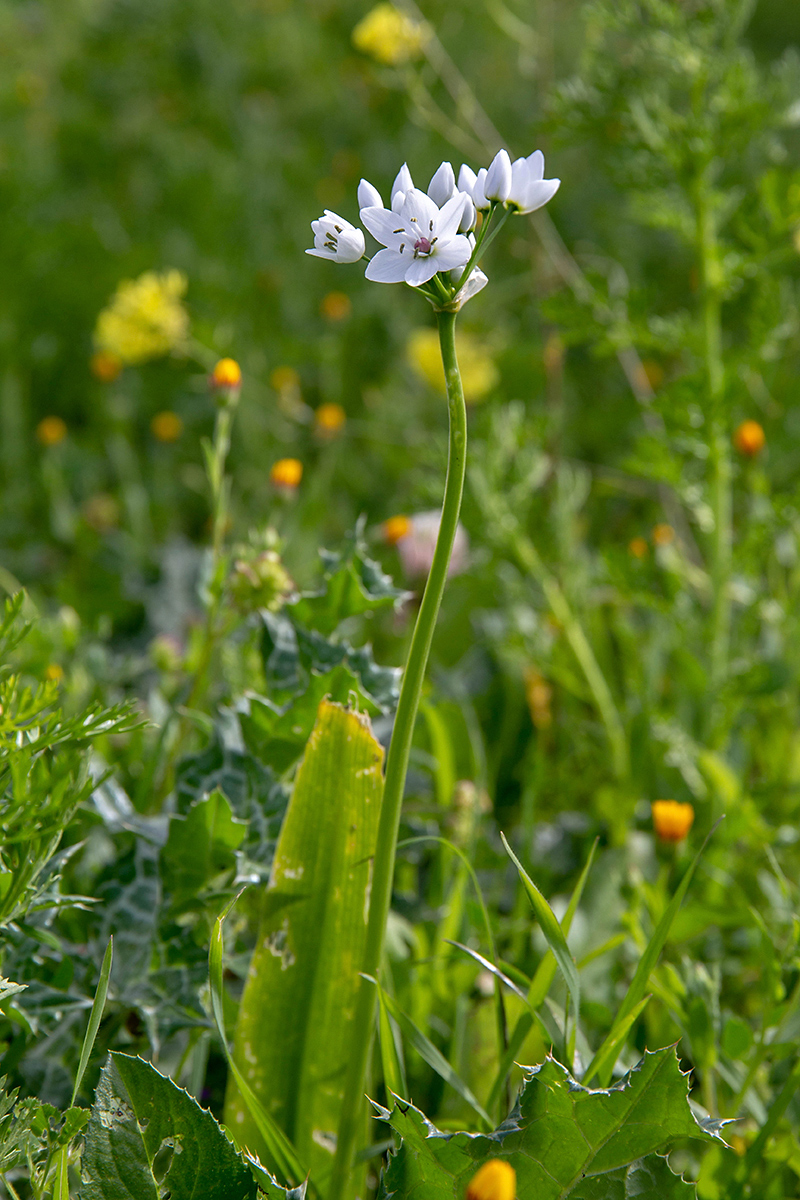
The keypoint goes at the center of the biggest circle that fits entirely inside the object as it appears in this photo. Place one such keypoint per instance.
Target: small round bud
(672, 820)
(286, 474)
(329, 419)
(105, 366)
(749, 439)
(166, 427)
(395, 529)
(226, 374)
(54, 672)
(50, 431)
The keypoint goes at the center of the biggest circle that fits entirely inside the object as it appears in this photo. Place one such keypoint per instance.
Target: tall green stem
(720, 459)
(397, 763)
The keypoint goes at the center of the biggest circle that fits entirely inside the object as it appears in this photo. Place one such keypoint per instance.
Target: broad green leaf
(552, 932)
(427, 1051)
(352, 584)
(139, 1118)
(294, 1028)
(199, 847)
(561, 1139)
(647, 962)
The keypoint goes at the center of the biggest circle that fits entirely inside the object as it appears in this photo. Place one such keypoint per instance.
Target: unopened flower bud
(329, 419)
(226, 381)
(749, 439)
(672, 820)
(286, 474)
(498, 177)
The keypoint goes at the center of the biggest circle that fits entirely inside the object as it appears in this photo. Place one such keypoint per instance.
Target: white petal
(318, 253)
(535, 163)
(387, 267)
(450, 216)
(477, 280)
(351, 246)
(442, 185)
(398, 200)
(538, 194)
(466, 179)
(403, 181)
(478, 194)
(452, 254)
(382, 224)
(498, 177)
(470, 216)
(420, 270)
(368, 196)
(420, 213)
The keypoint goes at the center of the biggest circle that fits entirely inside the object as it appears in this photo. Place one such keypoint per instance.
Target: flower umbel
(389, 36)
(419, 240)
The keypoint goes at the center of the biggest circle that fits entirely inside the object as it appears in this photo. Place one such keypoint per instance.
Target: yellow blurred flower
(329, 419)
(285, 379)
(672, 820)
(166, 426)
(105, 367)
(336, 306)
(479, 373)
(50, 431)
(286, 473)
(101, 512)
(389, 36)
(749, 439)
(226, 374)
(145, 318)
(637, 547)
(539, 695)
(663, 534)
(54, 672)
(496, 1180)
(396, 528)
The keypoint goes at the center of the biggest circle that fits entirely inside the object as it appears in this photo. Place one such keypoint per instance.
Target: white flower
(417, 546)
(442, 186)
(479, 197)
(498, 177)
(337, 239)
(529, 188)
(420, 239)
(368, 195)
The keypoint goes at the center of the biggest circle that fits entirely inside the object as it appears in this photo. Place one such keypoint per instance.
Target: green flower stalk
(434, 242)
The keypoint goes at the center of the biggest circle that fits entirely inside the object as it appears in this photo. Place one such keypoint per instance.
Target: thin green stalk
(719, 458)
(397, 763)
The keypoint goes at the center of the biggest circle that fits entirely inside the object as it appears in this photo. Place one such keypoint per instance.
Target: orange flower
(286, 473)
(166, 426)
(749, 439)
(637, 547)
(496, 1180)
(396, 528)
(51, 430)
(663, 535)
(329, 419)
(226, 374)
(336, 306)
(105, 366)
(671, 819)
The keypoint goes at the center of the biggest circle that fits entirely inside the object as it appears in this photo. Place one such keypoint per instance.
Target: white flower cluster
(427, 233)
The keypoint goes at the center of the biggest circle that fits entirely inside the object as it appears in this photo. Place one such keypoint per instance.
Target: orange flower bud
(336, 306)
(496, 1180)
(105, 366)
(396, 528)
(671, 819)
(166, 426)
(286, 473)
(226, 374)
(637, 547)
(663, 534)
(50, 431)
(329, 419)
(749, 439)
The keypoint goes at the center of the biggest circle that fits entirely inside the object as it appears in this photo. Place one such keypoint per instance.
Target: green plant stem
(719, 457)
(397, 762)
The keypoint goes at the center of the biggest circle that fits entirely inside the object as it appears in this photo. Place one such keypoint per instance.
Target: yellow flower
(226, 374)
(286, 473)
(336, 306)
(329, 419)
(749, 439)
(671, 819)
(496, 1180)
(389, 36)
(637, 547)
(50, 431)
(54, 672)
(663, 534)
(105, 367)
(145, 318)
(478, 371)
(166, 426)
(396, 528)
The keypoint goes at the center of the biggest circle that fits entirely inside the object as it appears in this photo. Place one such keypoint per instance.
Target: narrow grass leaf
(95, 1017)
(433, 1057)
(546, 969)
(394, 1076)
(488, 966)
(610, 1047)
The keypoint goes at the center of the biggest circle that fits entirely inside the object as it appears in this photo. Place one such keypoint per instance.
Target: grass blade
(394, 1076)
(95, 1017)
(543, 978)
(607, 1054)
(280, 1147)
(433, 1057)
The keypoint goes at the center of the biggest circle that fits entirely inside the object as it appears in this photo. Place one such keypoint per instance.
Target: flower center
(423, 246)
